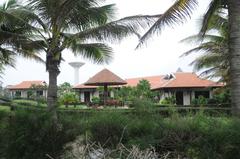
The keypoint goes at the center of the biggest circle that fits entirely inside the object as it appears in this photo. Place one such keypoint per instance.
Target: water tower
(76, 66)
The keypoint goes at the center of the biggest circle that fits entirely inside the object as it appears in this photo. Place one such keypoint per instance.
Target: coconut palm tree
(14, 39)
(213, 46)
(83, 26)
(234, 50)
(182, 9)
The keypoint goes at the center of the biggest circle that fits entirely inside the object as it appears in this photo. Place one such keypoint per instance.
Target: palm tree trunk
(234, 50)
(53, 70)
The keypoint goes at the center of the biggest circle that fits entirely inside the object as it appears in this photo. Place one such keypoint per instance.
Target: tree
(81, 26)
(182, 9)
(14, 39)
(64, 88)
(213, 48)
(66, 94)
(234, 50)
(143, 90)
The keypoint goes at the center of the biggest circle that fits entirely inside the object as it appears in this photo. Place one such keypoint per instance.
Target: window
(18, 93)
(39, 93)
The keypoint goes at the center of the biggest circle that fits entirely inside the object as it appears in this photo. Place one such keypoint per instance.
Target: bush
(30, 135)
(168, 100)
(108, 129)
(201, 101)
(68, 98)
(96, 100)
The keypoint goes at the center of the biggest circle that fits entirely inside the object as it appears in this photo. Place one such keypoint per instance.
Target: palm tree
(83, 26)
(214, 58)
(182, 9)
(14, 39)
(234, 50)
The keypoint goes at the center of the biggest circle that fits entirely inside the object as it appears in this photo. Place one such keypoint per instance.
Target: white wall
(186, 98)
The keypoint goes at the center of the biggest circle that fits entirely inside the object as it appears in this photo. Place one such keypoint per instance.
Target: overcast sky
(159, 56)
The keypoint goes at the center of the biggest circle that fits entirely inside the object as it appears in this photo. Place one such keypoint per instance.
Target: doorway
(86, 97)
(179, 98)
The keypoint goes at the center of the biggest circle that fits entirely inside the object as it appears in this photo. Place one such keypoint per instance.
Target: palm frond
(115, 30)
(177, 13)
(97, 52)
(208, 47)
(212, 9)
(7, 57)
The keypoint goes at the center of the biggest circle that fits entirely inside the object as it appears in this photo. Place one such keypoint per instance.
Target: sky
(159, 56)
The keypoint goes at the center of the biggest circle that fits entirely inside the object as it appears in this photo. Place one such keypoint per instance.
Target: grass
(4, 108)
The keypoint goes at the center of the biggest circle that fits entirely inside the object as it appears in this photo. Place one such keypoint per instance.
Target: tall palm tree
(83, 26)
(234, 50)
(182, 9)
(213, 46)
(15, 37)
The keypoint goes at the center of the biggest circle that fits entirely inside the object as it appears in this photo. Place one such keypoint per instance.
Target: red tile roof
(27, 84)
(189, 80)
(179, 80)
(105, 77)
(155, 81)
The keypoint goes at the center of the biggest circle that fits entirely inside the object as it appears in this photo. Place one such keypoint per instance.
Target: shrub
(200, 101)
(96, 100)
(168, 100)
(143, 106)
(108, 129)
(68, 98)
(30, 135)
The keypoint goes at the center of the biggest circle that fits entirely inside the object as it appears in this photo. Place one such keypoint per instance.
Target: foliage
(168, 100)
(96, 100)
(68, 98)
(108, 129)
(141, 91)
(222, 96)
(28, 102)
(15, 35)
(201, 101)
(66, 94)
(124, 94)
(213, 60)
(30, 135)
(64, 88)
(143, 106)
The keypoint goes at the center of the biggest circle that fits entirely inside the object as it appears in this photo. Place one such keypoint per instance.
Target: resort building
(28, 89)
(184, 86)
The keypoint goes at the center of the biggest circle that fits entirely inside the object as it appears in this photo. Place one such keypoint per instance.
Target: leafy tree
(64, 88)
(143, 90)
(182, 9)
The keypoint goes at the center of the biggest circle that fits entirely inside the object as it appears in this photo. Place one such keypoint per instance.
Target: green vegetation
(142, 91)
(28, 134)
(4, 108)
